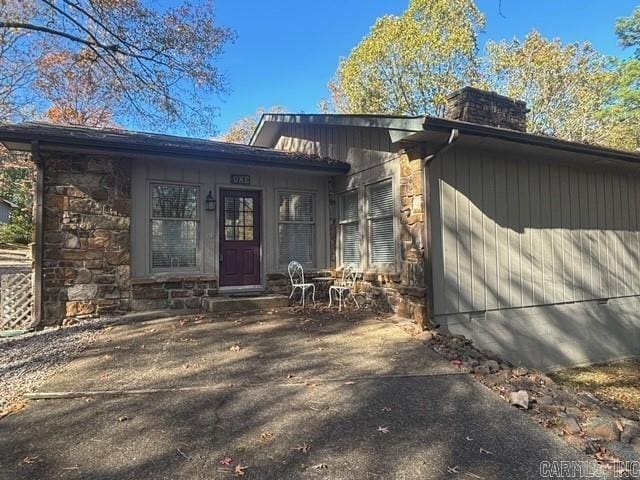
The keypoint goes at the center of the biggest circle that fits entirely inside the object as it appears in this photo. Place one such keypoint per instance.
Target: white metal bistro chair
(345, 288)
(296, 275)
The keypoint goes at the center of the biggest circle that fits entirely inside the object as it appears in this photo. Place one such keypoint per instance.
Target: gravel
(28, 360)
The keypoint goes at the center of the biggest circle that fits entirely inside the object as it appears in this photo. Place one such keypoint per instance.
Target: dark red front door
(239, 237)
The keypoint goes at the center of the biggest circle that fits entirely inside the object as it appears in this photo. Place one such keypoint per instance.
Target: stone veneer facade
(87, 214)
(404, 292)
(86, 254)
(487, 108)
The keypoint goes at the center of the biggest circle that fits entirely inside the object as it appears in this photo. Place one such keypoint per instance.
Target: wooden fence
(16, 301)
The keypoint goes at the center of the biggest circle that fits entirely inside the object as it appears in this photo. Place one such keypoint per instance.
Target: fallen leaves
(239, 471)
(123, 418)
(226, 461)
(382, 429)
(266, 436)
(235, 348)
(12, 408)
(30, 459)
(386, 409)
(182, 454)
(320, 466)
(304, 448)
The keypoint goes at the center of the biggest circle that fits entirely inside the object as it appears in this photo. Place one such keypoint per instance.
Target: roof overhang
(51, 137)
(267, 130)
(432, 126)
(433, 133)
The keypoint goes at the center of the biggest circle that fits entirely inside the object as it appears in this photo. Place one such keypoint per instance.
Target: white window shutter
(382, 243)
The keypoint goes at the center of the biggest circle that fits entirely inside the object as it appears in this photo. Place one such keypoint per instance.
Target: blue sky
(287, 50)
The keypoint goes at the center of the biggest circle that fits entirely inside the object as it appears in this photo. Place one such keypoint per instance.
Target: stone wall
(404, 292)
(151, 294)
(87, 210)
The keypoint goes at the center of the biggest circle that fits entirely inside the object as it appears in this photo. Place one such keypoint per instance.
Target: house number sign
(240, 179)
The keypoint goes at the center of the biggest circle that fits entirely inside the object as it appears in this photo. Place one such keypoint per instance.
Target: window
(296, 227)
(382, 244)
(238, 218)
(175, 223)
(349, 228)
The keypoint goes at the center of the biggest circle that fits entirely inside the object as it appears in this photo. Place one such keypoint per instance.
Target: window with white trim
(175, 227)
(349, 228)
(296, 227)
(382, 243)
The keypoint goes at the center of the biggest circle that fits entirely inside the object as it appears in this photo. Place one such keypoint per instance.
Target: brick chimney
(487, 108)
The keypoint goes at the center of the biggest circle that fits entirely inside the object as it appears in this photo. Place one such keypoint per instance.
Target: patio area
(279, 394)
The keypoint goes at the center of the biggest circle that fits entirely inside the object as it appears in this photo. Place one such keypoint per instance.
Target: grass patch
(617, 383)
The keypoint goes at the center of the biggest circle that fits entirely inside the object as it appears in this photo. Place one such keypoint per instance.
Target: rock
(71, 241)
(82, 292)
(574, 412)
(519, 399)
(570, 425)
(520, 371)
(604, 427)
(425, 336)
(630, 431)
(564, 397)
(481, 370)
(500, 377)
(543, 399)
(549, 408)
(492, 365)
(83, 276)
(576, 441)
(624, 451)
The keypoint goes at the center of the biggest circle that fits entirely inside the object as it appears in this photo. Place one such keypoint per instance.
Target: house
(6, 207)
(530, 245)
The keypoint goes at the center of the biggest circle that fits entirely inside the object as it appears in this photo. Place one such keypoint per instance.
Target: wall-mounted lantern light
(210, 202)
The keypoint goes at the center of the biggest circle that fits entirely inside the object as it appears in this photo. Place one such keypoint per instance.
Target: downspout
(453, 138)
(428, 251)
(38, 236)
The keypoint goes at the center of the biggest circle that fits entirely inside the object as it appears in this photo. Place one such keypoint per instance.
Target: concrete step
(228, 303)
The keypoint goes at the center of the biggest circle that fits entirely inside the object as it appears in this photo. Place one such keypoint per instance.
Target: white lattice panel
(16, 301)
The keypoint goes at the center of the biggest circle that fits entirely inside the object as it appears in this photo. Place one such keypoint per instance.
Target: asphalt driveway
(286, 395)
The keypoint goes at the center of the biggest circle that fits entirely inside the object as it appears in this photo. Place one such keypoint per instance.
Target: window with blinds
(382, 244)
(349, 229)
(296, 227)
(175, 224)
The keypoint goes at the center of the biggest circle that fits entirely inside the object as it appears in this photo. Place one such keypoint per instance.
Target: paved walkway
(287, 396)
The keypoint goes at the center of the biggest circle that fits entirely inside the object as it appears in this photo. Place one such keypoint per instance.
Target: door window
(239, 219)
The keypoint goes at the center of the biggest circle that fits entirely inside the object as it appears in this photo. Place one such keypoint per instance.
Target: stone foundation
(181, 294)
(87, 210)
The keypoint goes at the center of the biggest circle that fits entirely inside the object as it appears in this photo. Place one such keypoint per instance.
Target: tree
(628, 31)
(15, 75)
(77, 92)
(16, 185)
(156, 65)
(241, 130)
(408, 64)
(622, 115)
(565, 86)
